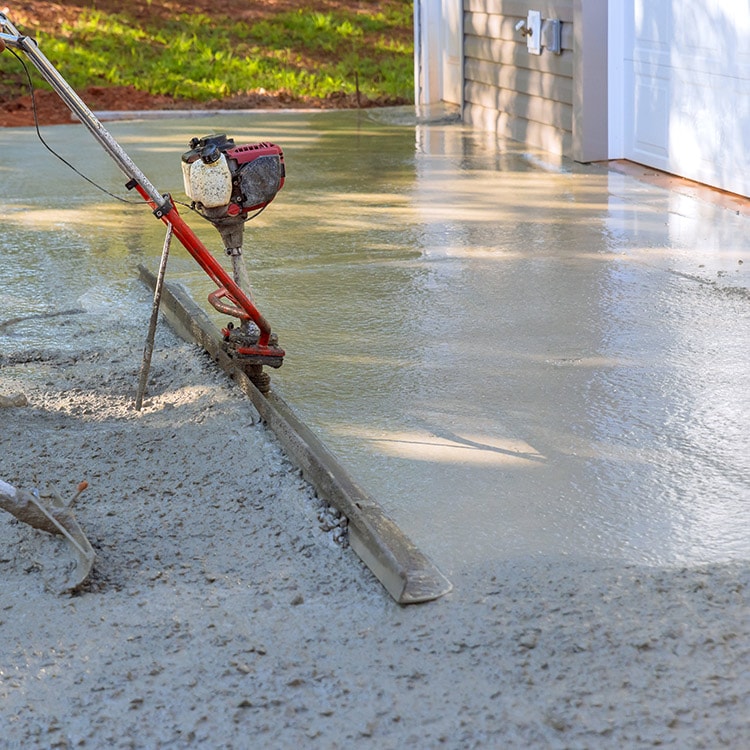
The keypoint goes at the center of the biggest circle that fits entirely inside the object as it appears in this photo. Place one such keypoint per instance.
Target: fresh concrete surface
(540, 369)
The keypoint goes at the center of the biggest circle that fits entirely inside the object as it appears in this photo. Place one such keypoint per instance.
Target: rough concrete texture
(220, 614)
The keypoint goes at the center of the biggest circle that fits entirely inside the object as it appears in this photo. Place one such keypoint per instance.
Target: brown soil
(35, 15)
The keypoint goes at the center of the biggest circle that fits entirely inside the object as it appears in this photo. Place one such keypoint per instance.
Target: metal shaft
(12, 38)
(148, 349)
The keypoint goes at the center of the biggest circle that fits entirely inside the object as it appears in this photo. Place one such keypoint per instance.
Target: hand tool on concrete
(227, 183)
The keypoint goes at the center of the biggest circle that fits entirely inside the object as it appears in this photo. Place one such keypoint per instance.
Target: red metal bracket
(240, 305)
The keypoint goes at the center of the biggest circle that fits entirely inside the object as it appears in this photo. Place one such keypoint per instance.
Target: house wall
(555, 102)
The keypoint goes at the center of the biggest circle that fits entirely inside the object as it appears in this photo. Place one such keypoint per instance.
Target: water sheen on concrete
(512, 355)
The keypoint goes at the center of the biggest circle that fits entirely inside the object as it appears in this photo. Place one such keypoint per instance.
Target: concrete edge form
(405, 572)
(119, 115)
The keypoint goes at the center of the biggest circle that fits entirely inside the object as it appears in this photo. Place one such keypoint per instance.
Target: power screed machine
(227, 183)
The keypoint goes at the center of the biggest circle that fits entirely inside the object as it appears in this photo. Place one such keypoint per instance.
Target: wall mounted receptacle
(539, 33)
(553, 41)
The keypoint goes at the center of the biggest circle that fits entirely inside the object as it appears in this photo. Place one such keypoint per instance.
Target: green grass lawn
(303, 53)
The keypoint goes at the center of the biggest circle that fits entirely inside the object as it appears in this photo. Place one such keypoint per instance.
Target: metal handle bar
(76, 105)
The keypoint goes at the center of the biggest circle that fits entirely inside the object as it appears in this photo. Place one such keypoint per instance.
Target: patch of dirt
(42, 14)
(35, 15)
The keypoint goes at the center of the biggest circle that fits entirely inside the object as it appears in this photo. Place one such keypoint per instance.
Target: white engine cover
(208, 184)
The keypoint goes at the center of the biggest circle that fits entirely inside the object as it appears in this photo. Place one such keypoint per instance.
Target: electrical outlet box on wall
(534, 33)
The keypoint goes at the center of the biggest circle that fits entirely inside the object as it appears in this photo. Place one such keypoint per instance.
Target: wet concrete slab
(514, 355)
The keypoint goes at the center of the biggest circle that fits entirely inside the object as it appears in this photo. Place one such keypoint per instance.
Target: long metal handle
(76, 105)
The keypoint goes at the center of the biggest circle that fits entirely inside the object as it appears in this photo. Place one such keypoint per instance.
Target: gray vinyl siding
(508, 91)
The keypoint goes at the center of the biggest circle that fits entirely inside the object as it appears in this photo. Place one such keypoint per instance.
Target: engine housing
(226, 180)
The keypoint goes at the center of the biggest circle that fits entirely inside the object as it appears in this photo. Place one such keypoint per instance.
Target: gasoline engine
(227, 183)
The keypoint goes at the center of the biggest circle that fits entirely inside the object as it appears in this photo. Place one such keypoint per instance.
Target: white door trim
(438, 52)
(452, 52)
(616, 77)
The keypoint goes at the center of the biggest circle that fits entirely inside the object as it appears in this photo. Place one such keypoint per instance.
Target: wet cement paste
(540, 372)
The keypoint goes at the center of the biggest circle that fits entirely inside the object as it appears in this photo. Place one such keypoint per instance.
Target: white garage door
(686, 88)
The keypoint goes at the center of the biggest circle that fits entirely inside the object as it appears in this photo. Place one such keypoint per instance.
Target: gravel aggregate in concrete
(220, 614)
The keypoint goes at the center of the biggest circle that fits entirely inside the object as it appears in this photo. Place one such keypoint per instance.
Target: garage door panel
(687, 89)
(652, 20)
(651, 133)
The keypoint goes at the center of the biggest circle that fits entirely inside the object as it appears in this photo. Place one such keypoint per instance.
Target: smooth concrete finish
(512, 355)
